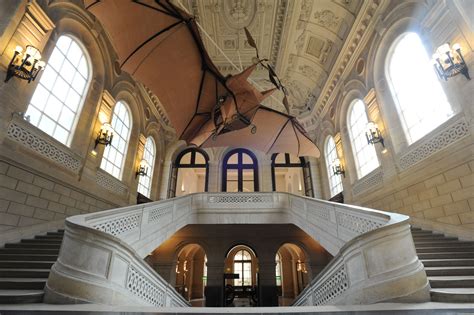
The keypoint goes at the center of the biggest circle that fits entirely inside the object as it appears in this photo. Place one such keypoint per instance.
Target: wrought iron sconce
(374, 135)
(449, 62)
(25, 66)
(142, 169)
(337, 168)
(105, 135)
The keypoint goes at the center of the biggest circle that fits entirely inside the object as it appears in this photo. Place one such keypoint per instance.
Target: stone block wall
(29, 198)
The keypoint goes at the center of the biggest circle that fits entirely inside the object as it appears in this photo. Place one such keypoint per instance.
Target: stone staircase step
(21, 296)
(24, 273)
(28, 257)
(425, 243)
(447, 262)
(35, 246)
(451, 249)
(433, 237)
(449, 271)
(48, 237)
(450, 295)
(41, 241)
(29, 250)
(22, 283)
(56, 233)
(446, 255)
(452, 282)
(18, 264)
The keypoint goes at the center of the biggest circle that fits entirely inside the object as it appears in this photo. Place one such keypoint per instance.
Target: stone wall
(28, 198)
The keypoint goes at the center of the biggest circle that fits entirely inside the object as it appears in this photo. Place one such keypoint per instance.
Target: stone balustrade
(101, 259)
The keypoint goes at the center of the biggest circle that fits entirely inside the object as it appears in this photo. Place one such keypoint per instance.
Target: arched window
(243, 266)
(114, 154)
(240, 171)
(60, 93)
(417, 93)
(190, 173)
(335, 182)
(278, 270)
(149, 153)
(364, 154)
(291, 174)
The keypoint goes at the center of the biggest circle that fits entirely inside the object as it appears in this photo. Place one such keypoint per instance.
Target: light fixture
(449, 62)
(25, 66)
(337, 168)
(182, 188)
(373, 134)
(142, 168)
(105, 135)
(300, 266)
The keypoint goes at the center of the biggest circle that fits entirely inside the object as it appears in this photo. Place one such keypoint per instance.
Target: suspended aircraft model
(160, 45)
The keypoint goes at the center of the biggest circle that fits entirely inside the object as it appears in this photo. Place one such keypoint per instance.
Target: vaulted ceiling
(301, 38)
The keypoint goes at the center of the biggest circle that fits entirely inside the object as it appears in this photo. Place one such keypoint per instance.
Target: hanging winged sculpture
(160, 46)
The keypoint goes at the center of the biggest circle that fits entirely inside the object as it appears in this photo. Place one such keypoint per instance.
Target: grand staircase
(449, 265)
(25, 267)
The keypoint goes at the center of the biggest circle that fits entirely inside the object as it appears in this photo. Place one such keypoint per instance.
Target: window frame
(330, 173)
(353, 139)
(114, 140)
(394, 93)
(82, 96)
(240, 167)
(151, 168)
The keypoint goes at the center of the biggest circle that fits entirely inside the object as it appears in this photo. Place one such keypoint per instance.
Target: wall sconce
(373, 134)
(142, 168)
(185, 266)
(449, 62)
(105, 135)
(337, 168)
(182, 188)
(177, 267)
(300, 266)
(26, 68)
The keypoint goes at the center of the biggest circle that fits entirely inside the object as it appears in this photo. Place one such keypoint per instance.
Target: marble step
(21, 296)
(48, 237)
(24, 273)
(18, 264)
(41, 241)
(22, 283)
(453, 295)
(447, 262)
(29, 250)
(35, 246)
(446, 255)
(28, 257)
(452, 282)
(440, 249)
(449, 271)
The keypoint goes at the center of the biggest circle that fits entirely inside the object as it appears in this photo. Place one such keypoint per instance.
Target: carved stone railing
(101, 259)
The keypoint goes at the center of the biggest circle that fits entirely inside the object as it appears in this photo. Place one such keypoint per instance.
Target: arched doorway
(190, 173)
(291, 174)
(243, 261)
(291, 274)
(240, 171)
(191, 273)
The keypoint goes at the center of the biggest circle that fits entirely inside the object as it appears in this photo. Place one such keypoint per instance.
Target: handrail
(113, 243)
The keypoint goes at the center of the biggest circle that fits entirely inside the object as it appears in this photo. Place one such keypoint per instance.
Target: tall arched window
(240, 171)
(114, 154)
(149, 153)
(243, 266)
(60, 93)
(330, 153)
(364, 154)
(291, 174)
(417, 93)
(190, 173)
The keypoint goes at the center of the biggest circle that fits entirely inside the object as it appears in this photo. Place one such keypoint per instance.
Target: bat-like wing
(276, 133)
(160, 46)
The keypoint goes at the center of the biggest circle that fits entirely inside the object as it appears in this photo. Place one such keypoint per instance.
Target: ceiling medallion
(239, 13)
